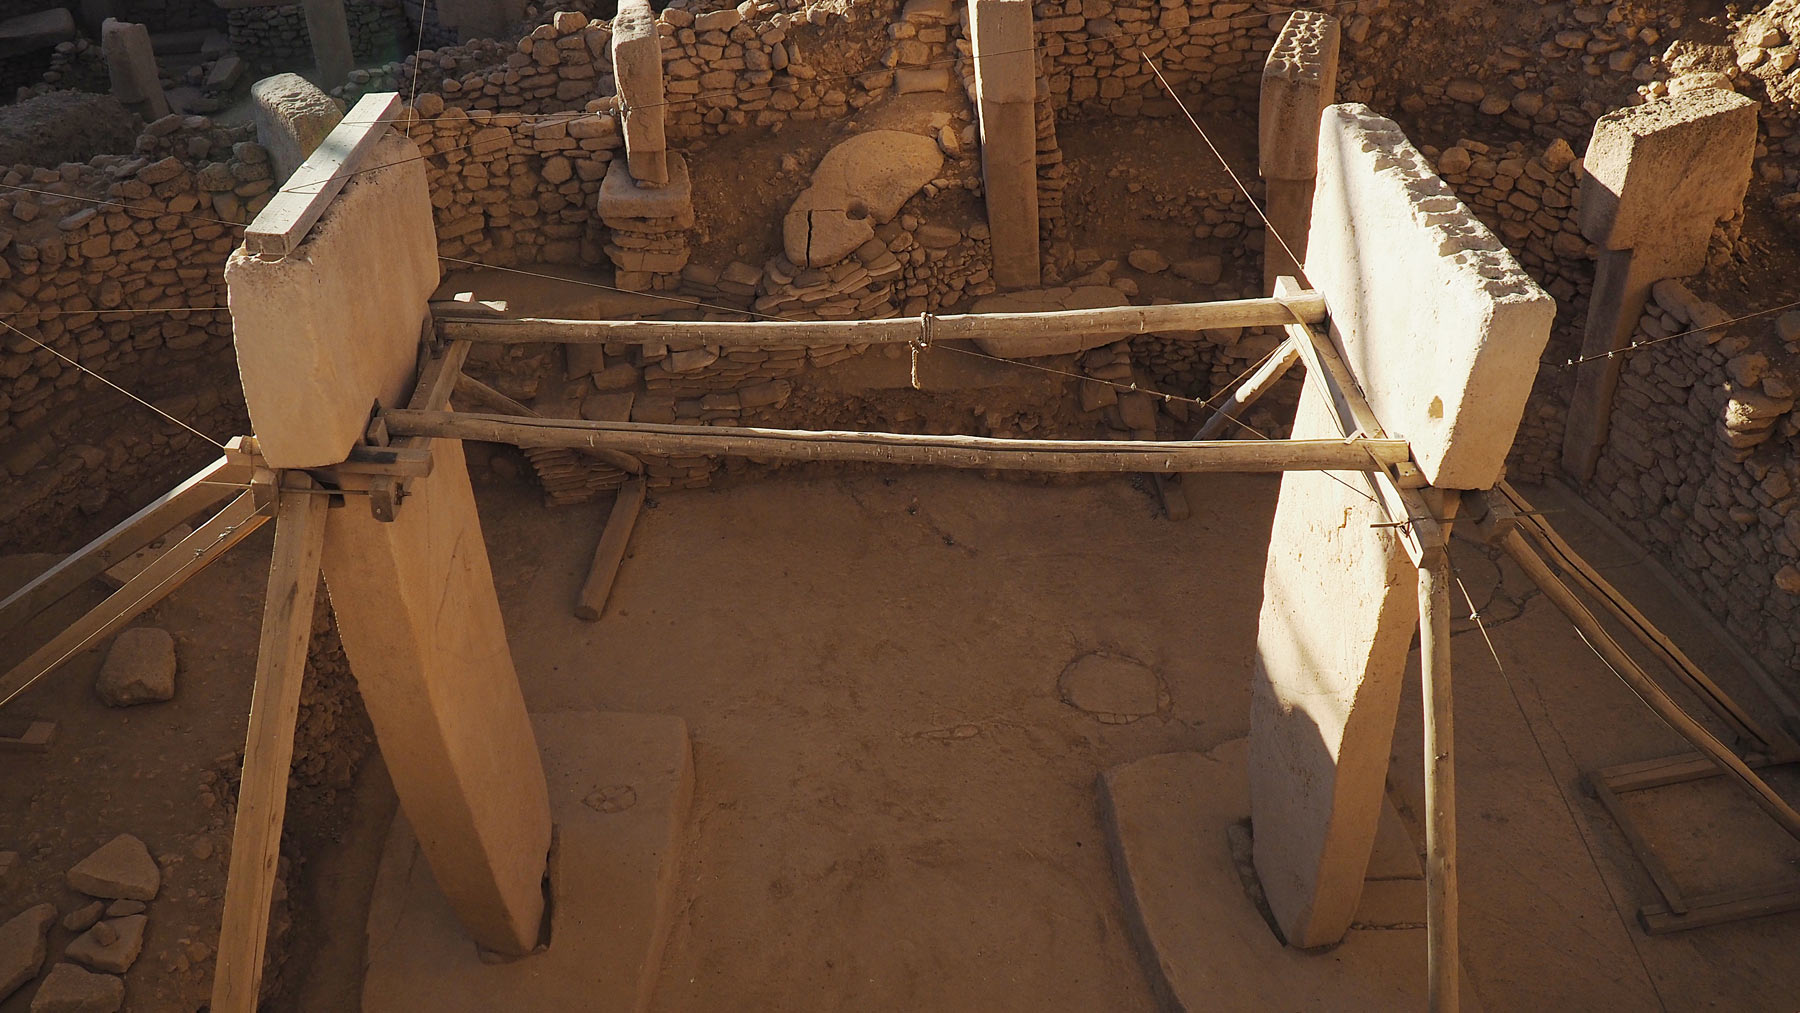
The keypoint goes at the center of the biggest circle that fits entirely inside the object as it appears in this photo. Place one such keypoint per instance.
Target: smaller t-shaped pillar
(638, 70)
(1299, 80)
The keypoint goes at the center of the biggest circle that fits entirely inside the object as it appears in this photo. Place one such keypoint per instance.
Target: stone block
(112, 945)
(139, 668)
(120, 868)
(292, 116)
(23, 947)
(623, 198)
(333, 327)
(1437, 321)
(859, 184)
(131, 63)
(638, 71)
(1660, 174)
(1338, 613)
(1081, 297)
(69, 989)
(1299, 80)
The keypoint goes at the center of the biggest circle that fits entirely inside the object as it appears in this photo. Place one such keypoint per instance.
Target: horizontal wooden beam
(1060, 456)
(283, 223)
(1303, 307)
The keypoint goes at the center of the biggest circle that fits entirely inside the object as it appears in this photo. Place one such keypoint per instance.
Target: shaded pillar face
(638, 71)
(131, 65)
(1657, 178)
(1299, 80)
(329, 31)
(322, 334)
(1005, 95)
(1331, 644)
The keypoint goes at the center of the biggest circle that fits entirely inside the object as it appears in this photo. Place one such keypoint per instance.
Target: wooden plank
(1765, 738)
(1305, 306)
(1418, 529)
(1646, 688)
(610, 553)
(191, 555)
(25, 735)
(1641, 846)
(1645, 774)
(1223, 424)
(1719, 908)
(1058, 456)
(1442, 921)
(204, 488)
(269, 750)
(283, 223)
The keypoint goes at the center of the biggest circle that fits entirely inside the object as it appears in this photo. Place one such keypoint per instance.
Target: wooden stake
(611, 550)
(206, 487)
(1646, 688)
(269, 750)
(1221, 425)
(1056, 456)
(1441, 912)
(1306, 306)
(193, 554)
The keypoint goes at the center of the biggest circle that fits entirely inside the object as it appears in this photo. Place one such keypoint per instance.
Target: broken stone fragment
(111, 945)
(22, 948)
(69, 989)
(121, 868)
(83, 918)
(140, 668)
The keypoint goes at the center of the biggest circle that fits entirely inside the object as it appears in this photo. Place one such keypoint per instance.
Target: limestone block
(858, 185)
(1081, 297)
(420, 623)
(331, 328)
(40, 30)
(131, 63)
(1299, 80)
(292, 116)
(139, 668)
(121, 868)
(622, 199)
(1337, 619)
(1005, 53)
(112, 945)
(22, 947)
(1436, 320)
(638, 71)
(69, 989)
(1660, 174)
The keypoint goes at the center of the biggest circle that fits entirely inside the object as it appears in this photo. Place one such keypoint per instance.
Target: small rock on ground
(140, 668)
(69, 989)
(1111, 687)
(22, 948)
(112, 945)
(83, 918)
(1149, 261)
(121, 868)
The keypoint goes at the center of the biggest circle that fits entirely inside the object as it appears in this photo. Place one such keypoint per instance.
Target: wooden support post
(611, 550)
(1055, 456)
(1267, 375)
(1441, 912)
(297, 205)
(1305, 306)
(1646, 688)
(154, 583)
(206, 487)
(269, 749)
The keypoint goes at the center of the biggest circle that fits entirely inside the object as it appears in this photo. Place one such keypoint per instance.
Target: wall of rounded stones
(276, 35)
(117, 263)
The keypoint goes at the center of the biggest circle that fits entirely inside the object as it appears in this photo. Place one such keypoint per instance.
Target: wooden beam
(610, 553)
(1304, 306)
(1585, 576)
(1646, 853)
(204, 488)
(1223, 425)
(475, 390)
(1056, 456)
(1441, 908)
(154, 583)
(1719, 908)
(1418, 530)
(1646, 688)
(269, 750)
(284, 222)
(1680, 769)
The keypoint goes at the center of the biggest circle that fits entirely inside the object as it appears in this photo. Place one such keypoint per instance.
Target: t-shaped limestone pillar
(1658, 176)
(329, 31)
(1299, 79)
(638, 70)
(1006, 96)
(131, 63)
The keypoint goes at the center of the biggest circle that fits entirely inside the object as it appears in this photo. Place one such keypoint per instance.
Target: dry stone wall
(275, 34)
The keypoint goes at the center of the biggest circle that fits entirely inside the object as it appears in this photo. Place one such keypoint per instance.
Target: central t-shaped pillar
(1006, 96)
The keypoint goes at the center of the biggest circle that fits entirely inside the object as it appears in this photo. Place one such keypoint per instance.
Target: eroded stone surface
(22, 947)
(121, 868)
(292, 116)
(139, 668)
(1044, 300)
(858, 185)
(69, 989)
(112, 945)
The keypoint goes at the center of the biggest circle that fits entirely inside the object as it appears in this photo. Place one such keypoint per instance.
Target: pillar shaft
(638, 71)
(330, 34)
(1005, 94)
(1299, 80)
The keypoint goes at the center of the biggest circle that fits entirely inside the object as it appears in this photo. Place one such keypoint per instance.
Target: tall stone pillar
(131, 63)
(330, 34)
(1299, 80)
(1658, 177)
(638, 71)
(322, 334)
(647, 197)
(1445, 350)
(1005, 95)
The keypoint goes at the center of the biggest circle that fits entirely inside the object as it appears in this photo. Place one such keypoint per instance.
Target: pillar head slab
(1660, 174)
(1299, 80)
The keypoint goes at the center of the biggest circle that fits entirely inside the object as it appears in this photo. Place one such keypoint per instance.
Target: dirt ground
(894, 808)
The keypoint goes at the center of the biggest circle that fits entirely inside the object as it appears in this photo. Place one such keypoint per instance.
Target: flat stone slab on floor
(1168, 819)
(620, 786)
